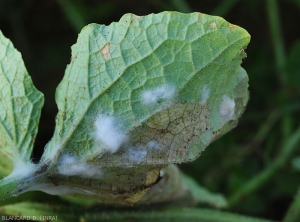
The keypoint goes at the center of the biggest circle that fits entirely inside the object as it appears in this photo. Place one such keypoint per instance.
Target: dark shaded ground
(43, 32)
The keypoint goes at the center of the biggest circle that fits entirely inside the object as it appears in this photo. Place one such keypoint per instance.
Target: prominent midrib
(73, 129)
(15, 139)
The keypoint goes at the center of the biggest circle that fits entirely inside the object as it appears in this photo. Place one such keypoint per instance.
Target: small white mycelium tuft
(70, 166)
(137, 155)
(227, 108)
(152, 96)
(204, 93)
(22, 169)
(108, 133)
(153, 145)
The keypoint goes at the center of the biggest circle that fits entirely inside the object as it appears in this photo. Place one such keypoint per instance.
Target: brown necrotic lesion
(172, 131)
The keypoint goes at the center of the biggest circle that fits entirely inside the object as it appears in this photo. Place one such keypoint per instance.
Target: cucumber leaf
(20, 105)
(150, 90)
(139, 95)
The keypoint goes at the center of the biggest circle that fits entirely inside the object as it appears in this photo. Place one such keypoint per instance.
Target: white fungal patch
(22, 169)
(136, 155)
(213, 25)
(153, 145)
(161, 173)
(70, 166)
(105, 52)
(150, 97)
(108, 133)
(204, 93)
(227, 108)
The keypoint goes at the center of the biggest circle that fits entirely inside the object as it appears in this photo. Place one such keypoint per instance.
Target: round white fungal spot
(204, 93)
(108, 133)
(149, 97)
(153, 145)
(136, 155)
(227, 108)
(70, 166)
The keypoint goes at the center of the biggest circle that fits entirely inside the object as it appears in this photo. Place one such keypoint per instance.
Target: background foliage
(256, 166)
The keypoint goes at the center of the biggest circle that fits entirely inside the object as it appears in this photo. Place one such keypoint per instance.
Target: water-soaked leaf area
(137, 96)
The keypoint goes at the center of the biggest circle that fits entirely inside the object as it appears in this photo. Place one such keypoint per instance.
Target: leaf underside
(20, 105)
(112, 66)
(166, 85)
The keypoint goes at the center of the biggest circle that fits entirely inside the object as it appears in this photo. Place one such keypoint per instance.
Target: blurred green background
(257, 165)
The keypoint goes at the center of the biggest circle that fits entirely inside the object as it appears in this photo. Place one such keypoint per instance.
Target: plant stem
(255, 141)
(293, 213)
(14, 185)
(8, 188)
(259, 180)
(224, 7)
(276, 34)
(280, 60)
(262, 133)
(72, 14)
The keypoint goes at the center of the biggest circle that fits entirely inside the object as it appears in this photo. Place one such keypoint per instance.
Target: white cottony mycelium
(136, 155)
(150, 97)
(153, 145)
(108, 133)
(71, 166)
(204, 94)
(227, 107)
(22, 169)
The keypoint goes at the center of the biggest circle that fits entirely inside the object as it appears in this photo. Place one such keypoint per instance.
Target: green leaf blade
(113, 66)
(20, 105)
(140, 94)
